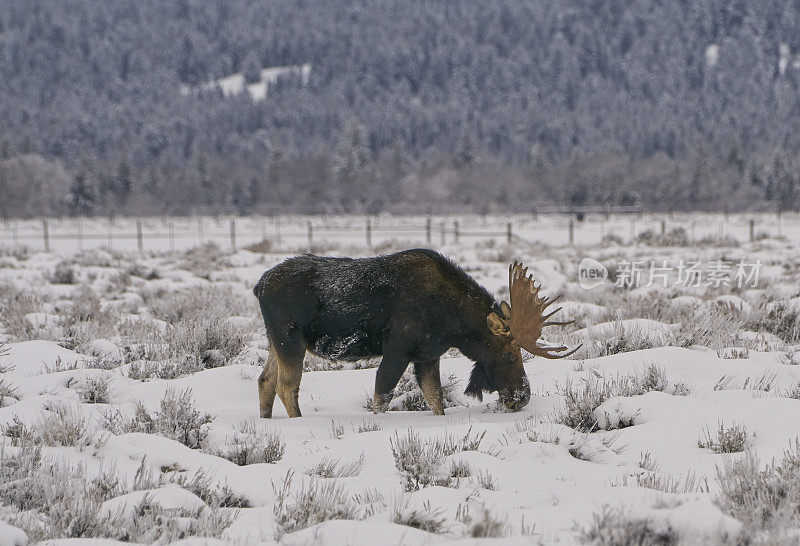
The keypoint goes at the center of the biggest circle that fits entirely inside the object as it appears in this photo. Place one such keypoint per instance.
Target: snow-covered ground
(128, 407)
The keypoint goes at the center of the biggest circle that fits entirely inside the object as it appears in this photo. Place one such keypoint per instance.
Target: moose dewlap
(411, 306)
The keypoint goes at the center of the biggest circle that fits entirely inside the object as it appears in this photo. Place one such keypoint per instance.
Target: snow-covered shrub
(674, 237)
(790, 359)
(780, 319)
(64, 426)
(653, 478)
(64, 273)
(369, 426)
(315, 502)
(94, 390)
(249, 445)
(59, 498)
(765, 499)
(715, 328)
(50, 501)
(485, 525)
(337, 429)
(427, 518)
(764, 382)
(791, 392)
(15, 304)
(176, 418)
(460, 469)
(408, 396)
(732, 439)
(486, 480)
(580, 401)
(612, 527)
(142, 370)
(204, 486)
(334, 468)
(8, 393)
(419, 461)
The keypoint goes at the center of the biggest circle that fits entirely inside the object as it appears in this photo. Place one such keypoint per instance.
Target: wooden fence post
(233, 234)
(428, 230)
(310, 236)
(535, 212)
(778, 215)
(139, 240)
(663, 228)
(369, 232)
(45, 235)
(509, 233)
(171, 237)
(277, 224)
(571, 231)
(752, 223)
(455, 231)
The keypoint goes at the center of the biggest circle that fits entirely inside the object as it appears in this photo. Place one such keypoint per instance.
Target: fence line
(369, 229)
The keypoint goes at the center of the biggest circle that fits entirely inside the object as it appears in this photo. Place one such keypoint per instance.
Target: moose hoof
(381, 403)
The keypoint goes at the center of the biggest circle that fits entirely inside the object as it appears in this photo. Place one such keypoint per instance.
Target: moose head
(514, 326)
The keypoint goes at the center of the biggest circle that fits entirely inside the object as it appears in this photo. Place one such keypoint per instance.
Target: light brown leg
(290, 372)
(430, 383)
(266, 384)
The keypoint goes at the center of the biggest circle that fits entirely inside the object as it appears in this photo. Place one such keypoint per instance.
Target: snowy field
(129, 411)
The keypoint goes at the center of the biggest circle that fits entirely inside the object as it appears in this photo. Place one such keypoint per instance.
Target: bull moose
(411, 306)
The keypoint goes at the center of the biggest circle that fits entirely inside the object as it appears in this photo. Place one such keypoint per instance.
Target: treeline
(409, 105)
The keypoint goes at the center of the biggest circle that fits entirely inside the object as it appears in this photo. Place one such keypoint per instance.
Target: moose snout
(518, 398)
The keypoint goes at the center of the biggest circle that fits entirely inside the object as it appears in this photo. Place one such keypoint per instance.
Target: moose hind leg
(430, 383)
(267, 382)
(389, 372)
(290, 372)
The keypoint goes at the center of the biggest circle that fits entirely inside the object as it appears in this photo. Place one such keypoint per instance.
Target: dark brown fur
(411, 306)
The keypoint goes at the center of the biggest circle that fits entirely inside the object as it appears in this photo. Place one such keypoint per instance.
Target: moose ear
(497, 325)
(505, 308)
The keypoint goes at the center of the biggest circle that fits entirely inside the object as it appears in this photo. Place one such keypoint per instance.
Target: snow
(235, 83)
(11, 536)
(548, 477)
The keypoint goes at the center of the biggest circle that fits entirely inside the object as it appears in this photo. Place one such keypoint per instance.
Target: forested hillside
(408, 105)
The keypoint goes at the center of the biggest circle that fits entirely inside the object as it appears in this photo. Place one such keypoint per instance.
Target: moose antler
(526, 318)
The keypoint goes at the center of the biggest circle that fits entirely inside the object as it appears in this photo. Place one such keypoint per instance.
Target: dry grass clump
(613, 527)
(653, 478)
(781, 319)
(94, 390)
(427, 518)
(334, 468)
(176, 418)
(580, 401)
(484, 525)
(731, 439)
(419, 461)
(762, 497)
(49, 501)
(59, 426)
(15, 303)
(315, 502)
(249, 445)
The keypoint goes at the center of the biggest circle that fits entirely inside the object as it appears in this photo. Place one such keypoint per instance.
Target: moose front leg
(430, 383)
(389, 372)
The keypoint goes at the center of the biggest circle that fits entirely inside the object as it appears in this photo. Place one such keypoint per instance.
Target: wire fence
(580, 226)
